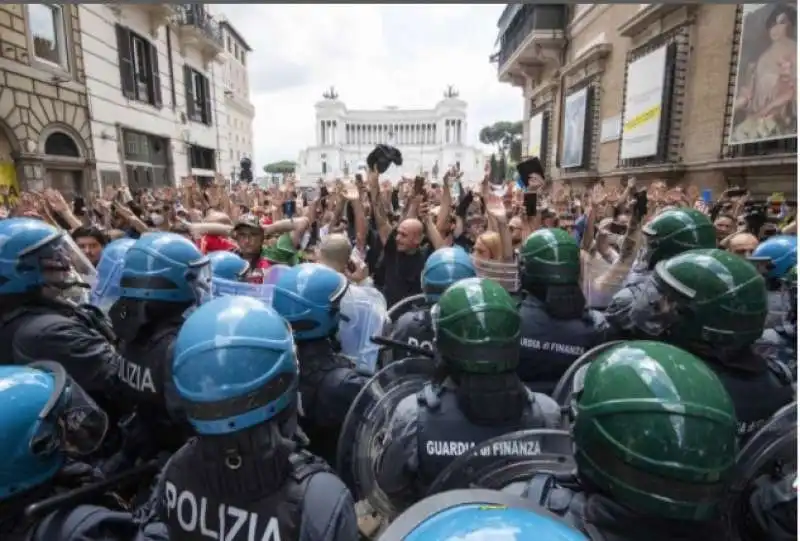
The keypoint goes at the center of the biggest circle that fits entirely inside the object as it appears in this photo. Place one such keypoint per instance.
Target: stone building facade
(45, 135)
(658, 91)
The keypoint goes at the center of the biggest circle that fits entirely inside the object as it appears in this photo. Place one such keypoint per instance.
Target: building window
(46, 25)
(61, 144)
(202, 158)
(138, 67)
(229, 43)
(198, 96)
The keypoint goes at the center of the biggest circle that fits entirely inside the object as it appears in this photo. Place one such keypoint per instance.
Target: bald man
(335, 252)
(742, 244)
(403, 260)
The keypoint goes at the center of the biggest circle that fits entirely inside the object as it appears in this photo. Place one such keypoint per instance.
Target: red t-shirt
(216, 243)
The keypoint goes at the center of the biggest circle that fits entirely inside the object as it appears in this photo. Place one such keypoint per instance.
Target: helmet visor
(653, 311)
(200, 279)
(70, 421)
(61, 263)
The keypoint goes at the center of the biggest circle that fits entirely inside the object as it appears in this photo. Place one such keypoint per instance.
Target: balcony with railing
(197, 28)
(530, 39)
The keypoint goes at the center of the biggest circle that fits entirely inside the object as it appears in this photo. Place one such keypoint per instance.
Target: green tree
(506, 136)
(281, 167)
(493, 168)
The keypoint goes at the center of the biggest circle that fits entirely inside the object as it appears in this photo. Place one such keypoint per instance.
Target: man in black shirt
(404, 257)
(404, 253)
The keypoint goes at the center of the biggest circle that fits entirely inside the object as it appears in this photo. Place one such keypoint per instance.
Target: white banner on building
(535, 130)
(643, 101)
(611, 129)
(574, 128)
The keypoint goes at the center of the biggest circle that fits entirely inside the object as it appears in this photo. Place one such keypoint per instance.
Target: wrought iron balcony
(198, 28)
(527, 33)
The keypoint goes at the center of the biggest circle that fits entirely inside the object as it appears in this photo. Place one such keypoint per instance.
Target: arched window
(61, 144)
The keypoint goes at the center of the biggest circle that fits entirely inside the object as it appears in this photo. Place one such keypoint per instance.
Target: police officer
(443, 268)
(163, 277)
(476, 396)
(655, 442)
(245, 476)
(774, 258)
(228, 266)
(308, 297)
(37, 322)
(669, 233)
(779, 342)
(480, 515)
(47, 425)
(713, 304)
(557, 328)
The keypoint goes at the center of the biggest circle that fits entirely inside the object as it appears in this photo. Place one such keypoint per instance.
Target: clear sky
(375, 55)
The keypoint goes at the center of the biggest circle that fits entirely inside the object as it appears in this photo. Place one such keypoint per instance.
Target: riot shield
(366, 431)
(508, 461)
(599, 283)
(479, 515)
(504, 273)
(770, 454)
(565, 387)
(272, 274)
(405, 305)
(364, 316)
(220, 287)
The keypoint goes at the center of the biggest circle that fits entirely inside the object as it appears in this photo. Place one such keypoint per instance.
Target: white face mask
(157, 219)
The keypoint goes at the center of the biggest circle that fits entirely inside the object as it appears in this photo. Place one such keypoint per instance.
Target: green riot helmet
(550, 257)
(477, 327)
(673, 232)
(655, 429)
(710, 302)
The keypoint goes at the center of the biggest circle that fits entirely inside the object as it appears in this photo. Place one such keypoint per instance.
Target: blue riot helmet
(34, 255)
(776, 255)
(443, 268)
(163, 275)
(45, 417)
(228, 266)
(109, 270)
(234, 365)
(479, 514)
(308, 297)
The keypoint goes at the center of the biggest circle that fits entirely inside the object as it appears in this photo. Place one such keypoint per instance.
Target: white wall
(110, 108)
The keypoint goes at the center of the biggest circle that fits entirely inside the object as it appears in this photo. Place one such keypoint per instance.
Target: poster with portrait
(765, 99)
(644, 95)
(535, 127)
(572, 142)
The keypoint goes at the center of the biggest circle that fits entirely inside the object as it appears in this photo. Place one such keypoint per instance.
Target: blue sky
(375, 55)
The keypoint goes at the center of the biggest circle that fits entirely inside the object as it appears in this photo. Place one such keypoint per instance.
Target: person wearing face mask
(163, 277)
(37, 265)
(669, 233)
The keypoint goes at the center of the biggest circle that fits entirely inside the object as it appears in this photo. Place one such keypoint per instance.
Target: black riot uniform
(719, 322)
(413, 328)
(476, 394)
(550, 345)
(246, 475)
(147, 387)
(328, 386)
(556, 326)
(163, 277)
(77, 337)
